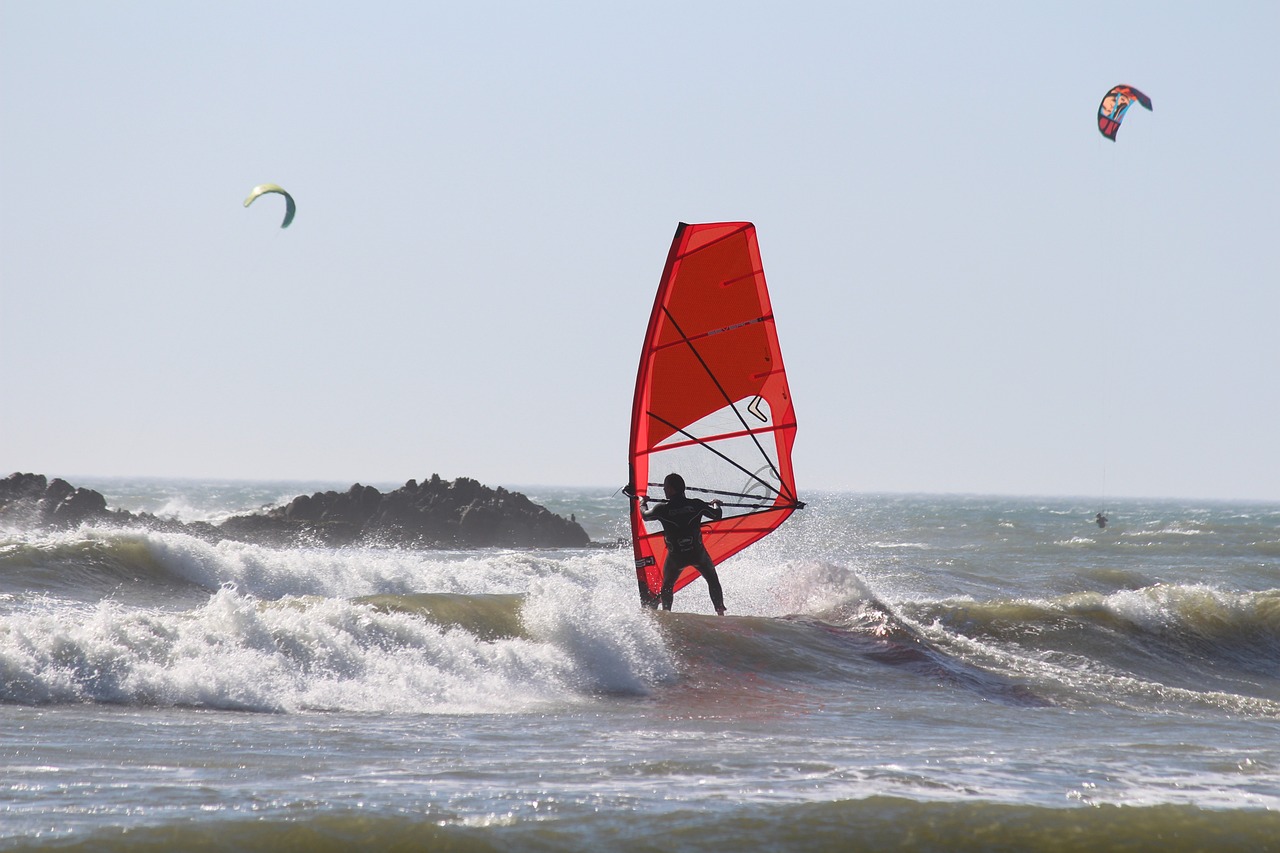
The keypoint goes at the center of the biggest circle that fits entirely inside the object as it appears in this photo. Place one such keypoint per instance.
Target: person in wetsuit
(681, 519)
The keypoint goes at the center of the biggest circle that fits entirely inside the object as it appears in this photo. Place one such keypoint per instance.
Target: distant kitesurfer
(1101, 520)
(681, 518)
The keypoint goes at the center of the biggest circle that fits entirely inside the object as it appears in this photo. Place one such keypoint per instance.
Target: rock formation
(433, 514)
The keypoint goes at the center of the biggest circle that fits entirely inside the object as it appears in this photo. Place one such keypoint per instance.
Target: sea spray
(306, 654)
(615, 646)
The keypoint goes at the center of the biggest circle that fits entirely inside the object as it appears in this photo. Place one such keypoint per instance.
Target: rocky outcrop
(436, 513)
(30, 500)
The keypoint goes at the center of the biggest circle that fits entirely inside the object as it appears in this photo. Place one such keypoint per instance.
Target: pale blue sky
(975, 291)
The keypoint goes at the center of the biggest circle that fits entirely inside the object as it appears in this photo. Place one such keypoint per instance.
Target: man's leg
(670, 573)
(708, 570)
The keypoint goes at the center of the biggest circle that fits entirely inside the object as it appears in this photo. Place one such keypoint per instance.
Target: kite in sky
(1113, 107)
(290, 208)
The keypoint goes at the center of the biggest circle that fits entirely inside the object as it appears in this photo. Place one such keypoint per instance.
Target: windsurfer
(681, 518)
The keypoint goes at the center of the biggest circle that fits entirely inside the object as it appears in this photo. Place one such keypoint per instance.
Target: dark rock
(79, 506)
(20, 496)
(30, 500)
(435, 513)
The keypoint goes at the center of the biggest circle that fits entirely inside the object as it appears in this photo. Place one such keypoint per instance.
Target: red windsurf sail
(712, 402)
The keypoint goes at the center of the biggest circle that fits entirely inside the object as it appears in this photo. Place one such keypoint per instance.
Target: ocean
(896, 672)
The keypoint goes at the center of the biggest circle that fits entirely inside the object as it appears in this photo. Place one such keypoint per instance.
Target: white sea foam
(352, 572)
(281, 631)
(1196, 609)
(300, 654)
(1077, 542)
(614, 646)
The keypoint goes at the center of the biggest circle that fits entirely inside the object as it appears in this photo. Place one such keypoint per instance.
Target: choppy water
(932, 673)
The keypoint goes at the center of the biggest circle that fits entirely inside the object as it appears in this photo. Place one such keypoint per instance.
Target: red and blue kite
(1113, 107)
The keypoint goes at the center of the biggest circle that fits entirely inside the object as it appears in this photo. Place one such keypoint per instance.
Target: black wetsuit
(681, 519)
